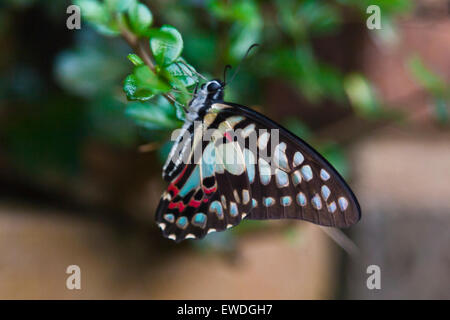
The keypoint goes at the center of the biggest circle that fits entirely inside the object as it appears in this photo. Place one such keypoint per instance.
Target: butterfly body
(230, 162)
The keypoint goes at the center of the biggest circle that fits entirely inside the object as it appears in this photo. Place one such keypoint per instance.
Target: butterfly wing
(205, 195)
(291, 179)
(243, 165)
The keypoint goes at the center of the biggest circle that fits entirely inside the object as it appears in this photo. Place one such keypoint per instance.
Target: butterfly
(230, 163)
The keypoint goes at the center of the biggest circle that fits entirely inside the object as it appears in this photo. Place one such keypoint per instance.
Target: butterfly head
(213, 89)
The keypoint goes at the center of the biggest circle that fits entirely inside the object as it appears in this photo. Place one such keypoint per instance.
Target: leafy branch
(158, 67)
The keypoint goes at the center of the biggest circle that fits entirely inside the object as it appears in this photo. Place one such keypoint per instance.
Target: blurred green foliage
(437, 88)
(286, 29)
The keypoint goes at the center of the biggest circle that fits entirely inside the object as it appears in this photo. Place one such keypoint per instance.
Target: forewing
(291, 179)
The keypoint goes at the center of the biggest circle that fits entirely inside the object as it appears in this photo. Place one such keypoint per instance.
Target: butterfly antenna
(227, 67)
(242, 60)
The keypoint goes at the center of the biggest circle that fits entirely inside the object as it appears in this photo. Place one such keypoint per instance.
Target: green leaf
(182, 71)
(174, 111)
(427, 78)
(148, 79)
(164, 50)
(361, 95)
(119, 5)
(319, 17)
(89, 70)
(140, 18)
(245, 12)
(130, 86)
(155, 115)
(143, 84)
(157, 33)
(97, 14)
(93, 11)
(180, 112)
(133, 92)
(135, 59)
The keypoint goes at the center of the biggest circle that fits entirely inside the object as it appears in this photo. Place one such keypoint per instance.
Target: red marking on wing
(192, 203)
(172, 186)
(210, 190)
(174, 189)
(195, 203)
(180, 205)
(180, 175)
(228, 136)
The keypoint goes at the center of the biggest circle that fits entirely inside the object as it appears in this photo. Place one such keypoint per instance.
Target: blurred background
(80, 167)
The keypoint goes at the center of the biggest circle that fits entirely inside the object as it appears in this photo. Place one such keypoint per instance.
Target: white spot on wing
(298, 159)
(224, 201)
(332, 207)
(230, 156)
(234, 120)
(263, 139)
(324, 175)
(301, 199)
(245, 196)
(343, 203)
(279, 156)
(306, 172)
(316, 202)
(236, 196)
(282, 178)
(248, 130)
(296, 177)
(172, 237)
(220, 106)
(286, 201)
(325, 192)
(268, 201)
(264, 171)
